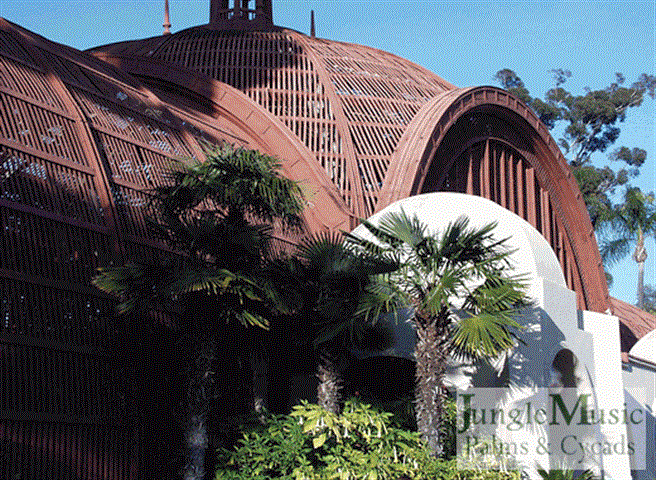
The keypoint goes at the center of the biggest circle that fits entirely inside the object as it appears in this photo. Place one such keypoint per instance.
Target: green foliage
(233, 181)
(214, 218)
(214, 215)
(337, 290)
(462, 298)
(462, 263)
(589, 124)
(331, 288)
(649, 293)
(620, 229)
(312, 443)
(359, 444)
(565, 474)
(627, 225)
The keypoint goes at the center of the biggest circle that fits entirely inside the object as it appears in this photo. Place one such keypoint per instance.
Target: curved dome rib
(538, 172)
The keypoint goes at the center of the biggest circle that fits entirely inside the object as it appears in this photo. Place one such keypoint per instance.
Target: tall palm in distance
(463, 300)
(215, 216)
(627, 225)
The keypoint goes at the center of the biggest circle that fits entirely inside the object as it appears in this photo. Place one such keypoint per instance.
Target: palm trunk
(640, 256)
(641, 285)
(431, 357)
(196, 441)
(196, 437)
(259, 368)
(330, 382)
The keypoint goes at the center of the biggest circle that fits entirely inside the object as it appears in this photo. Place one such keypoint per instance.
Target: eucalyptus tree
(589, 124)
(628, 225)
(215, 217)
(463, 300)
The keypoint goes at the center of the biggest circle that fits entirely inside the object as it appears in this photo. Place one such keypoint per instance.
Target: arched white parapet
(533, 255)
(645, 348)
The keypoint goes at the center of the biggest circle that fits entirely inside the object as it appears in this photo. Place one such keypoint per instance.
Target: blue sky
(466, 43)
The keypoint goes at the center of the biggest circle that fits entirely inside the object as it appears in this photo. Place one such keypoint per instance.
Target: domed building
(85, 135)
(379, 126)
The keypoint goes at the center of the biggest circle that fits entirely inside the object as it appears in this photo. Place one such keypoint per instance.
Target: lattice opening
(58, 316)
(130, 163)
(132, 125)
(133, 207)
(40, 129)
(65, 451)
(48, 186)
(496, 171)
(29, 82)
(32, 382)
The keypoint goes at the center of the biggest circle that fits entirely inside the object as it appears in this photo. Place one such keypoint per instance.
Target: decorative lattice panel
(33, 181)
(64, 451)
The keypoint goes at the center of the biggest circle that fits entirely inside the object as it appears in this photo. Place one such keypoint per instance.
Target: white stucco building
(559, 346)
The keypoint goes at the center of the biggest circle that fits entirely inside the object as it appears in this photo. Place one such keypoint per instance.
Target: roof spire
(313, 31)
(167, 20)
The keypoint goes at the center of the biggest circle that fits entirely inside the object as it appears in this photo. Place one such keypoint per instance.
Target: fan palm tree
(625, 225)
(462, 298)
(334, 290)
(216, 216)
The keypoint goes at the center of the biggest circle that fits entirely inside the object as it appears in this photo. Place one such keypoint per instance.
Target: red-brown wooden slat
(530, 197)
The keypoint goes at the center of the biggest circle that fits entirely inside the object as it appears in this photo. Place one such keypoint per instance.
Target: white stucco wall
(639, 377)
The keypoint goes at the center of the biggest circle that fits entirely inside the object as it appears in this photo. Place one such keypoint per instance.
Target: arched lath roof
(349, 104)
(224, 104)
(486, 142)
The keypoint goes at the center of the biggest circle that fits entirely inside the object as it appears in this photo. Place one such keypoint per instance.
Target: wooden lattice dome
(381, 127)
(349, 104)
(83, 137)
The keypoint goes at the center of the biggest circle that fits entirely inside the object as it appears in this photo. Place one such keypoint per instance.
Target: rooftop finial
(313, 31)
(167, 20)
(241, 14)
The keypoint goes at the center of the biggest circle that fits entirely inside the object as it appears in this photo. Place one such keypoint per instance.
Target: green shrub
(360, 444)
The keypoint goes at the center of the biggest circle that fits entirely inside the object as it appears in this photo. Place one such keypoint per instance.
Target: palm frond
(463, 262)
(383, 238)
(379, 297)
(210, 281)
(408, 230)
(497, 293)
(248, 318)
(614, 250)
(137, 286)
(484, 335)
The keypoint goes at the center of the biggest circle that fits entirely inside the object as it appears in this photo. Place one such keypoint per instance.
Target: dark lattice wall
(80, 145)
(495, 170)
(483, 155)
